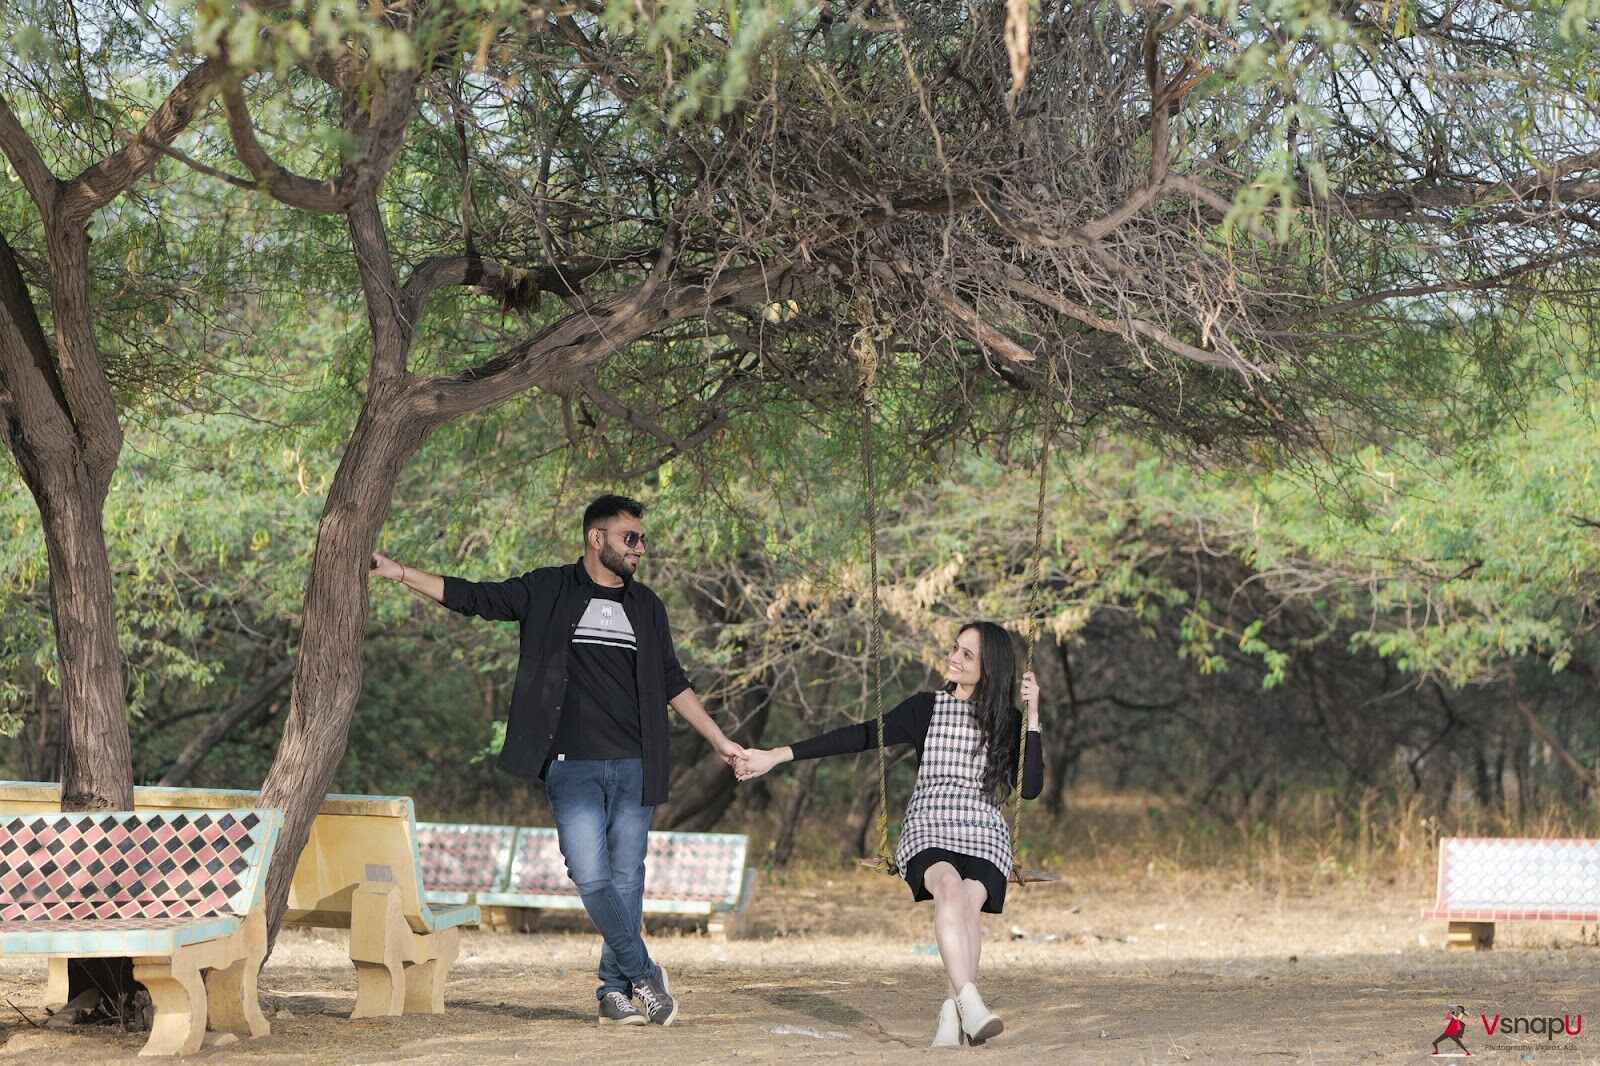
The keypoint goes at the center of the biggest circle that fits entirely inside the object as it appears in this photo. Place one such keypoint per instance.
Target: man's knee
(593, 885)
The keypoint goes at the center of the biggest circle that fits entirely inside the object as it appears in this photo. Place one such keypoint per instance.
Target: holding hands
(731, 752)
(757, 761)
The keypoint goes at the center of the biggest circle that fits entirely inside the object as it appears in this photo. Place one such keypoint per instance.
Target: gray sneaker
(659, 1006)
(618, 1009)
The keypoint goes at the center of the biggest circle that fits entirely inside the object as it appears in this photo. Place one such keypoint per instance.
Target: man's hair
(607, 507)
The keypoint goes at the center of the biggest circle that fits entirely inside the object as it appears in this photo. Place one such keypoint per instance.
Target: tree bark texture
(327, 680)
(61, 426)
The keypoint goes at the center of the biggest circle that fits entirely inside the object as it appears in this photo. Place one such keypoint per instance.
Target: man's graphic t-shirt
(600, 714)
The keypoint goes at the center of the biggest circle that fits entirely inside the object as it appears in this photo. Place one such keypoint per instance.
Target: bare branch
(208, 170)
(980, 331)
(1127, 330)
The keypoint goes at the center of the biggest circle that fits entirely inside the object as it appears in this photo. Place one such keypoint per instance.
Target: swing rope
(866, 350)
(1037, 567)
(874, 624)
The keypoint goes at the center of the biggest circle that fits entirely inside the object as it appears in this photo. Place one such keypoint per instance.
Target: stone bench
(360, 871)
(1484, 880)
(181, 893)
(699, 875)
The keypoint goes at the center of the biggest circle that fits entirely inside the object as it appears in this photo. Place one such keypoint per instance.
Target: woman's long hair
(993, 703)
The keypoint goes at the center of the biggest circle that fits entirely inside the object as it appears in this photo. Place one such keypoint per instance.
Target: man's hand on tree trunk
(383, 566)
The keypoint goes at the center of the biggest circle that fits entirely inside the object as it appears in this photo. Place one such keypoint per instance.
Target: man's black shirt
(548, 603)
(600, 714)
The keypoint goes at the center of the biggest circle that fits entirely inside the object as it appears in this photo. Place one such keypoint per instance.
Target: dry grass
(1309, 844)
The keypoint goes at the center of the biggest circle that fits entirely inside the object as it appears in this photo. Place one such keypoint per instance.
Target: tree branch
(378, 125)
(589, 336)
(562, 279)
(1542, 185)
(32, 404)
(391, 331)
(208, 170)
(985, 335)
(109, 178)
(1491, 282)
(325, 197)
(1129, 329)
(41, 182)
(1160, 140)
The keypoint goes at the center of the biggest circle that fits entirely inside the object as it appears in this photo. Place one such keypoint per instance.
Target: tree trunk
(327, 678)
(96, 757)
(805, 782)
(67, 454)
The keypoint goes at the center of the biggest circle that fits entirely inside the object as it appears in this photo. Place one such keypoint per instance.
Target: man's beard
(613, 561)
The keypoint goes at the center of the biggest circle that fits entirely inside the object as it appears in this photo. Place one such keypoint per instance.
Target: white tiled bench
(1484, 880)
(700, 875)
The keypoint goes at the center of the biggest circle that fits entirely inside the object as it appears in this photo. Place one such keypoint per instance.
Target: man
(589, 718)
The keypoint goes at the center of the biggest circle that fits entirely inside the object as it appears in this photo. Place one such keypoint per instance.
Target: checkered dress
(948, 807)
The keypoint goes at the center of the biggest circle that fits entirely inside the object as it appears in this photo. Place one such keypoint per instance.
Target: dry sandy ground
(843, 971)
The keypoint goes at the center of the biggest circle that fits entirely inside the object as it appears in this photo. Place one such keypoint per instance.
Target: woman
(955, 847)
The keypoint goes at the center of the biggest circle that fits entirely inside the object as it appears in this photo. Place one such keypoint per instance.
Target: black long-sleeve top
(908, 724)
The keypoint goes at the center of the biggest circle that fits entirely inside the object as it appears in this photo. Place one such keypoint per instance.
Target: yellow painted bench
(360, 870)
(179, 892)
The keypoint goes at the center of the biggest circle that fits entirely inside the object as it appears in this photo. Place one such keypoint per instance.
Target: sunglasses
(632, 538)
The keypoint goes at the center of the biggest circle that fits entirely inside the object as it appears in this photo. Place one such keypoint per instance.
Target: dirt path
(843, 971)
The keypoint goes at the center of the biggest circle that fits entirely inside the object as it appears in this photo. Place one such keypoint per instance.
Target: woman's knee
(976, 893)
(942, 881)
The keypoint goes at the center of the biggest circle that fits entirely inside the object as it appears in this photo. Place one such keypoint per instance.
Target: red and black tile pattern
(67, 867)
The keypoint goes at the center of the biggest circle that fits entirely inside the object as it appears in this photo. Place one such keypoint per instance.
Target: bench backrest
(1522, 876)
(464, 859)
(679, 866)
(353, 839)
(526, 861)
(124, 864)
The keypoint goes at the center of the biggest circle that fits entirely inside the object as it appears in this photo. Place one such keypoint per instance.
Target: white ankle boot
(949, 1032)
(977, 1020)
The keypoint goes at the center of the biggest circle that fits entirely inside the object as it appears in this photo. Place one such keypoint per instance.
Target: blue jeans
(603, 832)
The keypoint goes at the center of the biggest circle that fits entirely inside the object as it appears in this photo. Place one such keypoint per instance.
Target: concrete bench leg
(397, 971)
(232, 1001)
(179, 997)
(729, 924)
(182, 997)
(1470, 936)
(425, 980)
(380, 947)
(57, 984)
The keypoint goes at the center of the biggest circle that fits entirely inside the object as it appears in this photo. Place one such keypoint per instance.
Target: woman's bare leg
(976, 895)
(950, 904)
